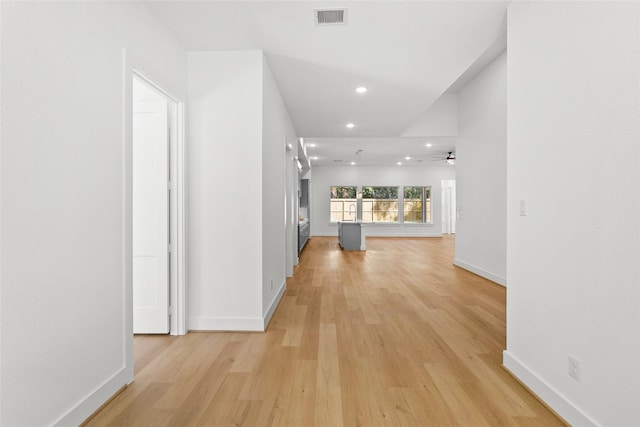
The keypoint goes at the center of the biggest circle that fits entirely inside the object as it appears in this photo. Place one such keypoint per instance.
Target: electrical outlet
(574, 368)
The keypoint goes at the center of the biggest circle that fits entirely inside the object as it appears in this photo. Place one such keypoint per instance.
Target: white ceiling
(407, 54)
(379, 151)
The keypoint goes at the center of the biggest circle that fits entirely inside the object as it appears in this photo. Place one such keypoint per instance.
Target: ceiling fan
(450, 158)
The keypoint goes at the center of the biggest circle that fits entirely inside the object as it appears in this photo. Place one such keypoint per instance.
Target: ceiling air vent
(330, 16)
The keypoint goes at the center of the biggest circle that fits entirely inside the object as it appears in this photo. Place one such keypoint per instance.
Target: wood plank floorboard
(391, 336)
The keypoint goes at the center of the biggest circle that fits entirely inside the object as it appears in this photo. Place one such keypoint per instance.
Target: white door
(448, 206)
(150, 217)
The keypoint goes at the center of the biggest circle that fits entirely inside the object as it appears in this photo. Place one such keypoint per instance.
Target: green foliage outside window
(413, 192)
(379, 192)
(380, 204)
(343, 192)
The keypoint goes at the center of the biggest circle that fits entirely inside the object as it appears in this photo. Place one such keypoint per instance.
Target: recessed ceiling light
(361, 89)
(311, 145)
(353, 163)
(313, 158)
(399, 163)
(429, 144)
(350, 125)
(407, 158)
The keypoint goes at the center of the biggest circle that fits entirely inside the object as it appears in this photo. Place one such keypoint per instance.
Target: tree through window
(417, 205)
(379, 204)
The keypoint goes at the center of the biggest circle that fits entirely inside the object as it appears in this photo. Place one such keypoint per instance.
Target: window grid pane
(413, 210)
(343, 203)
(379, 204)
(417, 205)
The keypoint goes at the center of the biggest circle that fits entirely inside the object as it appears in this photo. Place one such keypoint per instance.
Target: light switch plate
(523, 208)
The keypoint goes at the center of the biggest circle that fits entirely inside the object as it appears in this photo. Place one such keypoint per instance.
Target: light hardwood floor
(393, 336)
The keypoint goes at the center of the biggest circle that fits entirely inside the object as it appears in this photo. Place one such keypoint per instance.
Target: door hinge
(170, 185)
(170, 310)
(170, 247)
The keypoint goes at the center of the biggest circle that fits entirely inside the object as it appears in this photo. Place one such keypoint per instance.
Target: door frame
(133, 66)
(448, 195)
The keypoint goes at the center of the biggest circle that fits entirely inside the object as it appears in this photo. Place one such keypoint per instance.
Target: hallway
(395, 335)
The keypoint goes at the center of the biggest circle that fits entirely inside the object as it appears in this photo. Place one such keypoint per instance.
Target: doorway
(448, 206)
(151, 214)
(157, 209)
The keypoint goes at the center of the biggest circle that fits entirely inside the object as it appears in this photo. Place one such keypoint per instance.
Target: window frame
(351, 200)
(426, 208)
(395, 200)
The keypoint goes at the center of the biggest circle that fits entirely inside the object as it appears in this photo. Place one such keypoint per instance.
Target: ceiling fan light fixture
(451, 158)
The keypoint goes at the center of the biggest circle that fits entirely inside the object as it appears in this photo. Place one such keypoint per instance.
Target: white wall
(481, 171)
(325, 177)
(225, 162)
(63, 245)
(440, 119)
(239, 127)
(277, 226)
(573, 155)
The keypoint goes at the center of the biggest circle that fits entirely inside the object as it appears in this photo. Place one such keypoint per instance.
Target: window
(379, 204)
(417, 205)
(343, 204)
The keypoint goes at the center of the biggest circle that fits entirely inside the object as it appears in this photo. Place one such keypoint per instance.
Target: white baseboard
(369, 233)
(401, 234)
(556, 401)
(481, 272)
(244, 324)
(274, 305)
(88, 405)
(226, 324)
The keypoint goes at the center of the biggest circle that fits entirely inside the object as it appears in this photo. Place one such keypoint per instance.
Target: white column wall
(225, 190)
(277, 131)
(574, 157)
(64, 333)
(481, 171)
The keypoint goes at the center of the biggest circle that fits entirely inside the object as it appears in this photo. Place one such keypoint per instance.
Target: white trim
(559, 403)
(390, 224)
(180, 317)
(481, 272)
(374, 234)
(127, 221)
(368, 233)
(274, 304)
(85, 407)
(253, 324)
(238, 323)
